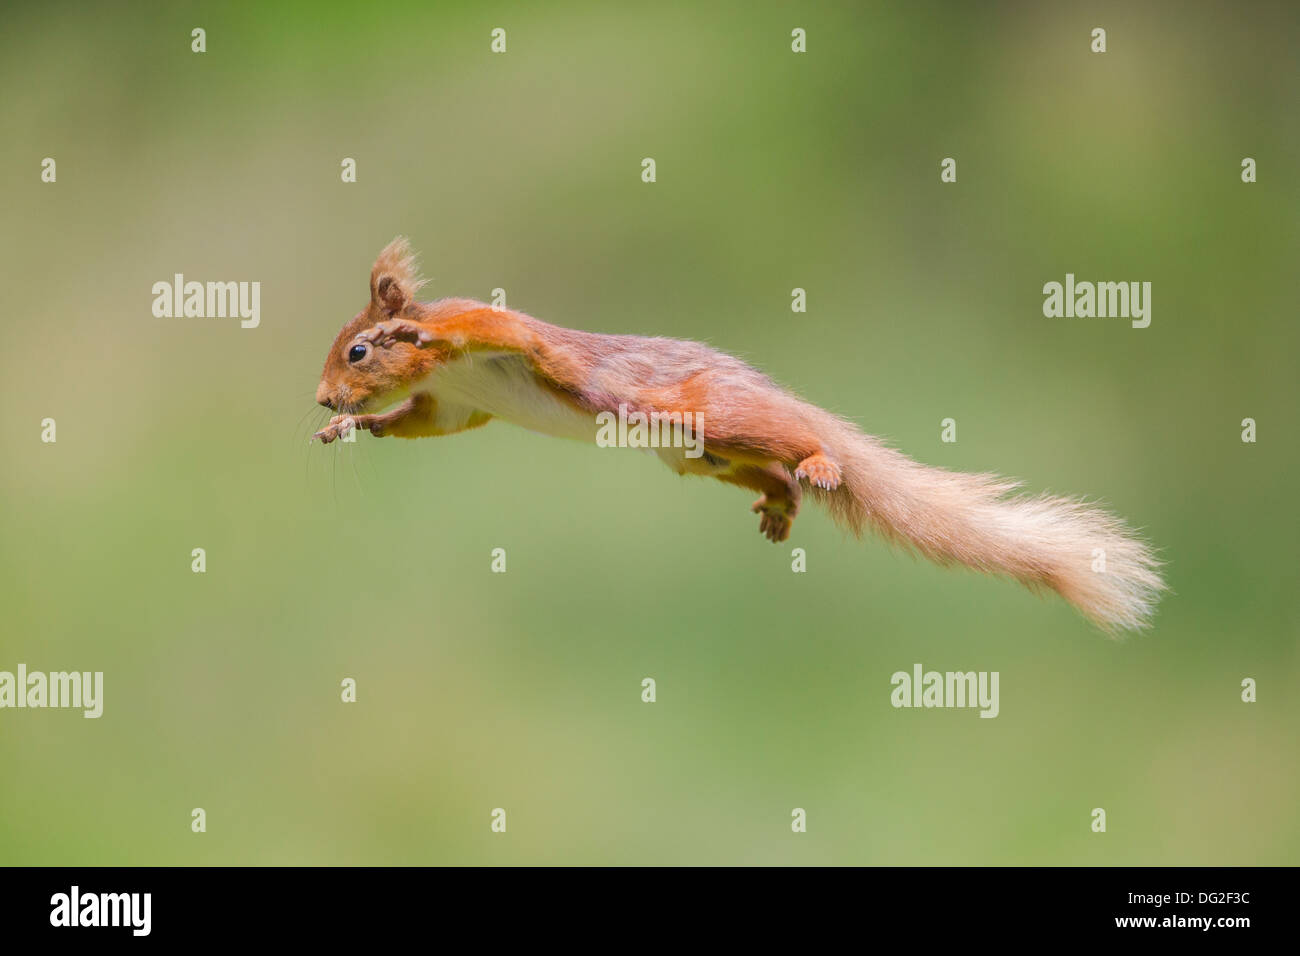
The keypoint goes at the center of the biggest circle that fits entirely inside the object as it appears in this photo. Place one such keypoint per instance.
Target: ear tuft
(394, 280)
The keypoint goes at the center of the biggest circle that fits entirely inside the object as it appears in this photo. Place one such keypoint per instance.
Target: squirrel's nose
(322, 396)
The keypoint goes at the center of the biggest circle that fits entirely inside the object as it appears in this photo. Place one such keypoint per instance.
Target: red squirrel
(455, 364)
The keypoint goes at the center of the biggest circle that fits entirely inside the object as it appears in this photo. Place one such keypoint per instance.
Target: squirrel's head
(358, 373)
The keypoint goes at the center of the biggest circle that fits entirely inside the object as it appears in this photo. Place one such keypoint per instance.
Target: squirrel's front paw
(339, 426)
(385, 333)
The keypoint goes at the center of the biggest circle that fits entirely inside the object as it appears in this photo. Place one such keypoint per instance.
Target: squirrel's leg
(484, 328)
(734, 425)
(417, 417)
(384, 334)
(779, 502)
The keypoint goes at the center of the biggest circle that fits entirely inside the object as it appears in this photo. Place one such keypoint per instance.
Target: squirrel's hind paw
(820, 471)
(775, 521)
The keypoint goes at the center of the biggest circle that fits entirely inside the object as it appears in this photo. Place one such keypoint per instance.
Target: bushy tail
(1088, 556)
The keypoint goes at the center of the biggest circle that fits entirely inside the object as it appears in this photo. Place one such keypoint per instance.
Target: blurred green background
(522, 690)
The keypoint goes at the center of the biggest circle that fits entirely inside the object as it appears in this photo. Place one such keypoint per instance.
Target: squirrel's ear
(394, 279)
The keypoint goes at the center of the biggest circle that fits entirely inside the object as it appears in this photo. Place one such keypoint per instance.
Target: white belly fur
(503, 385)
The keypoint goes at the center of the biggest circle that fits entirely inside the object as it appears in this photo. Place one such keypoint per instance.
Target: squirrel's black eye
(357, 353)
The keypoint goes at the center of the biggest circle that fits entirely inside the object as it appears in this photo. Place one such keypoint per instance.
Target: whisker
(307, 455)
(356, 478)
(334, 477)
(306, 417)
